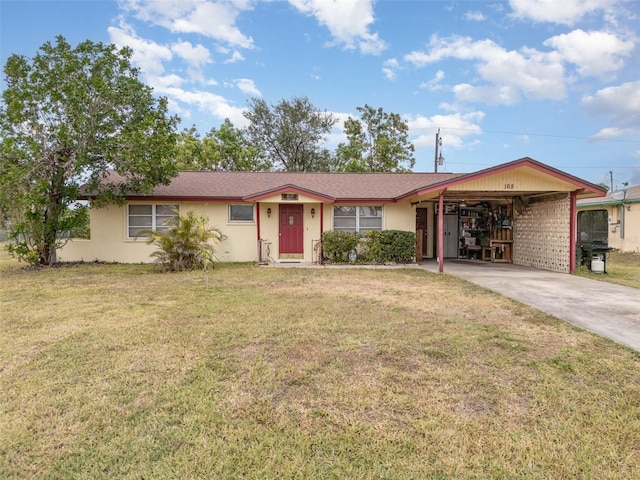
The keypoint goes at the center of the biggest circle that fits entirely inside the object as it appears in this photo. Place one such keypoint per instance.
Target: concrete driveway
(612, 311)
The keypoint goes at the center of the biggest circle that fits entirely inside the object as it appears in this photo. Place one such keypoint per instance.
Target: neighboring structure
(613, 219)
(522, 212)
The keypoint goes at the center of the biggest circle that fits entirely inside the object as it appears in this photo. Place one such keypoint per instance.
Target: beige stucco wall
(541, 236)
(631, 240)
(399, 216)
(109, 240)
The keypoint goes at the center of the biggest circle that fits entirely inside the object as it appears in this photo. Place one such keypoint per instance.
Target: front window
(150, 217)
(357, 219)
(241, 213)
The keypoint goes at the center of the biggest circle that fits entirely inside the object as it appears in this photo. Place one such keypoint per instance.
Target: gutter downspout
(573, 219)
(441, 231)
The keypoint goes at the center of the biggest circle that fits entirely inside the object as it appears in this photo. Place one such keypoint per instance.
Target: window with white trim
(241, 213)
(357, 219)
(156, 217)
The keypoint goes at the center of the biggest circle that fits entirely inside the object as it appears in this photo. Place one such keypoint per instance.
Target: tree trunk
(51, 218)
(50, 233)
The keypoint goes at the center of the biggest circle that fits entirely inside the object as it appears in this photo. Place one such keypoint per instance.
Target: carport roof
(492, 182)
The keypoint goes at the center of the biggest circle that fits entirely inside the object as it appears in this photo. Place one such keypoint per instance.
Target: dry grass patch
(119, 371)
(623, 268)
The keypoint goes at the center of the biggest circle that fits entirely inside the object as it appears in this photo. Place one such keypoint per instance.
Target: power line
(550, 135)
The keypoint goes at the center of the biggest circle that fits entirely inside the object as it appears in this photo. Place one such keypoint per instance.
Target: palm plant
(187, 244)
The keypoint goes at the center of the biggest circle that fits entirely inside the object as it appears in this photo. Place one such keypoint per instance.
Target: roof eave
(289, 188)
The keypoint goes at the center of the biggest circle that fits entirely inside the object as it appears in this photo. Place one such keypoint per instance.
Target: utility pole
(438, 160)
(611, 179)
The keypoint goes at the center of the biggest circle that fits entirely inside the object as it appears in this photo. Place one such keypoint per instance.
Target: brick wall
(541, 236)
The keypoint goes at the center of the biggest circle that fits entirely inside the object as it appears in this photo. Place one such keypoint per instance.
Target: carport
(522, 212)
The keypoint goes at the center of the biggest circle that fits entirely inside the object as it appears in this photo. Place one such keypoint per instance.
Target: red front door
(291, 233)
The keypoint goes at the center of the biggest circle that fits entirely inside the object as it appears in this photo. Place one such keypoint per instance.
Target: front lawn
(119, 371)
(623, 268)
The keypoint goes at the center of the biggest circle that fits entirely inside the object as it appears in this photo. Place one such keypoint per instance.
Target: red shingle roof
(336, 187)
(333, 186)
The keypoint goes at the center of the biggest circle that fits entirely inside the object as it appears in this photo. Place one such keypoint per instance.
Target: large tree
(291, 133)
(378, 142)
(68, 117)
(225, 148)
(189, 149)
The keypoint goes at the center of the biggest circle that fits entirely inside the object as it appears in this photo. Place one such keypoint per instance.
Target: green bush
(188, 244)
(371, 248)
(397, 246)
(375, 246)
(337, 245)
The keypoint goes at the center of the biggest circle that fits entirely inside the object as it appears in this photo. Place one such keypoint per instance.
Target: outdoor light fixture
(269, 212)
(313, 212)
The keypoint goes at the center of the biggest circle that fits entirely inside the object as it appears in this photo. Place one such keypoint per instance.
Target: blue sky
(558, 81)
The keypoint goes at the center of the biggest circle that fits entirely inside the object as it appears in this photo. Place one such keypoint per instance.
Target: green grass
(119, 371)
(623, 268)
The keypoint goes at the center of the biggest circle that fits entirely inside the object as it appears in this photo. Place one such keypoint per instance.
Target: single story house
(613, 219)
(522, 212)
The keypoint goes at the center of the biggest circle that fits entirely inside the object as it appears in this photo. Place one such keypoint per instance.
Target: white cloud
(566, 12)
(596, 53)
(474, 16)
(147, 55)
(622, 104)
(161, 82)
(211, 103)
(489, 94)
(390, 68)
(621, 100)
(248, 86)
(347, 20)
(213, 19)
(509, 73)
(454, 129)
(610, 132)
(235, 57)
(434, 84)
(195, 56)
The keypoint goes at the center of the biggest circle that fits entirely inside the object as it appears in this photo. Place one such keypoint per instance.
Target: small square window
(241, 213)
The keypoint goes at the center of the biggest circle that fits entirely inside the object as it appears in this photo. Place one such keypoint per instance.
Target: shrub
(188, 244)
(371, 247)
(375, 246)
(337, 245)
(397, 246)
